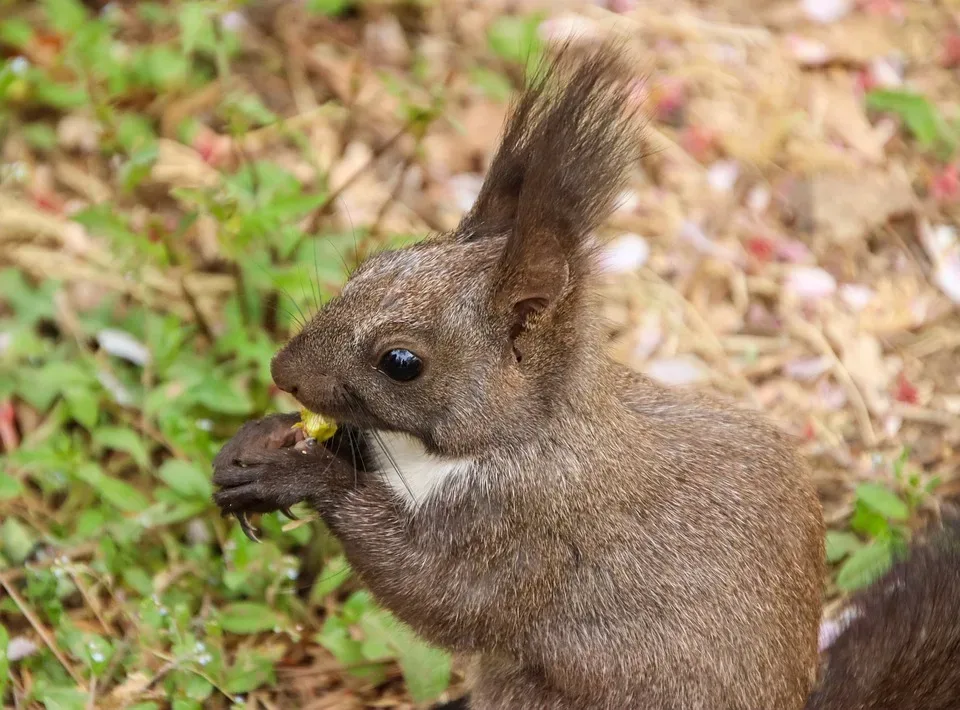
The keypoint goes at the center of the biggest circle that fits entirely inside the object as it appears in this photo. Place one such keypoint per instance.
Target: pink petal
(465, 188)
(722, 175)
(806, 368)
(627, 253)
(947, 277)
(811, 283)
(808, 52)
(568, 27)
(677, 371)
(857, 296)
(826, 11)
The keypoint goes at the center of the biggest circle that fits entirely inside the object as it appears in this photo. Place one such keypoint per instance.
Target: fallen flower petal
(120, 343)
(811, 283)
(826, 11)
(627, 253)
(677, 371)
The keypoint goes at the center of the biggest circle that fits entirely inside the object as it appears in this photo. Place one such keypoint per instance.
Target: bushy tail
(901, 651)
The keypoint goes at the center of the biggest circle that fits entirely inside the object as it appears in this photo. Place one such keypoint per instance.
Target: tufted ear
(496, 203)
(532, 277)
(564, 159)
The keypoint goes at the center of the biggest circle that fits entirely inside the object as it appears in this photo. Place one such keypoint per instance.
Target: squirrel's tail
(901, 650)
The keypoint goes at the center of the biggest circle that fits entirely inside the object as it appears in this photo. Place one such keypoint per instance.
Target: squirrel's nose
(283, 373)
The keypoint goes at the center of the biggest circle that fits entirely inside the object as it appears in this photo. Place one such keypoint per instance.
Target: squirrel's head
(469, 339)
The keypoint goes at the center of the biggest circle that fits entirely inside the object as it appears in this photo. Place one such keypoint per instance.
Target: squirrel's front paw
(262, 469)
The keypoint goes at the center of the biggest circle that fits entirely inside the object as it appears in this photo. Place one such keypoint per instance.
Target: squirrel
(592, 539)
(899, 641)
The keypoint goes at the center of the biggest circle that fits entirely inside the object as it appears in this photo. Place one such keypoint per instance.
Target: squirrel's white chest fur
(410, 471)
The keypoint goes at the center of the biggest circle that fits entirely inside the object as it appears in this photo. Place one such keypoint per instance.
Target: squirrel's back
(901, 651)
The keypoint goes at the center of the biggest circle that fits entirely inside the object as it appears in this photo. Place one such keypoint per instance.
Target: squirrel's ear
(532, 276)
(496, 205)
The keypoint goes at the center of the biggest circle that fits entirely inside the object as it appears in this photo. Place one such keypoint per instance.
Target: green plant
(878, 527)
(106, 519)
(921, 118)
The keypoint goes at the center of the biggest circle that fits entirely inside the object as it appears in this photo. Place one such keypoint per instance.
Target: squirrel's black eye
(400, 365)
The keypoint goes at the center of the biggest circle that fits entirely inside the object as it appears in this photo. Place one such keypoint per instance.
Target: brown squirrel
(594, 540)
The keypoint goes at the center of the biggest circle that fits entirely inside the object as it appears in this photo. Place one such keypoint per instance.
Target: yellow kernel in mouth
(316, 426)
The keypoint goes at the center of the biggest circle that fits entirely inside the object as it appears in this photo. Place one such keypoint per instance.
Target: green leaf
(40, 135)
(377, 642)
(64, 699)
(252, 669)
(59, 96)
(336, 638)
(515, 39)
(84, 405)
(222, 396)
(119, 494)
(16, 540)
(865, 565)
(425, 669)
(841, 544)
(917, 112)
(10, 487)
(329, 7)
(195, 25)
(187, 479)
(334, 574)
(125, 440)
(883, 501)
(165, 67)
(135, 132)
(122, 495)
(867, 521)
(65, 15)
(493, 84)
(195, 687)
(16, 31)
(249, 618)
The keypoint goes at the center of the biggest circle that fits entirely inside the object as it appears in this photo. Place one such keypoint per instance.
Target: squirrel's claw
(289, 513)
(247, 527)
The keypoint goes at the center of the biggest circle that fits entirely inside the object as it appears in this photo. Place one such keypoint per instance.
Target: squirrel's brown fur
(597, 541)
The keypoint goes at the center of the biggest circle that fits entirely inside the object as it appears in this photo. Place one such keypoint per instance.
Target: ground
(181, 183)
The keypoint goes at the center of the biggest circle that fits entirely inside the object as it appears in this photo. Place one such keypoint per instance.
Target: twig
(714, 346)
(73, 554)
(314, 221)
(812, 336)
(42, 632)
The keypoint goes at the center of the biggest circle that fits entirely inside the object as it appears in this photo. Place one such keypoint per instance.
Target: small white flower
(722, 175)
(120, 343)
(233, 21)
(826, 11)
(758, 199)
(810, 283)
(627, 253)
(628, 202)
(465, 188)
(115, 387)
(19, 648)
(19, 65)
(677, 371)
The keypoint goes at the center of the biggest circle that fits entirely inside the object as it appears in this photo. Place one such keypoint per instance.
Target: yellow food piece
(316, 426)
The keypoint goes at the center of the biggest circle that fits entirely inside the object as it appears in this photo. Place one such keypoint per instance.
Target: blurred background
(182, 183)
